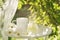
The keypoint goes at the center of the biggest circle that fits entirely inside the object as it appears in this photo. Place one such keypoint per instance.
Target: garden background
(44, 12)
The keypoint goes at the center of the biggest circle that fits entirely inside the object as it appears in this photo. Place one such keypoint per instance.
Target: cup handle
(14, 21)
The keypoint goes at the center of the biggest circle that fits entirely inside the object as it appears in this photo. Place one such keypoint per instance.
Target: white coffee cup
(22, 24)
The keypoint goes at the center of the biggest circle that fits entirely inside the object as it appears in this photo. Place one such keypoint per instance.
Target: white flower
(9, 31)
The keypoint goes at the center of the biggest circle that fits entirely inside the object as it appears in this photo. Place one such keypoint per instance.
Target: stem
(46, 37)
(9, 38)
(4, 37)
(24, 39)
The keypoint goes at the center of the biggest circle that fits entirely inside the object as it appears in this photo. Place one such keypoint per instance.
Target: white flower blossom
(8, 12)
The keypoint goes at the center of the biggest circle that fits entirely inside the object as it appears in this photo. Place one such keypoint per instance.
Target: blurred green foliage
(1, 3)
(45, 12)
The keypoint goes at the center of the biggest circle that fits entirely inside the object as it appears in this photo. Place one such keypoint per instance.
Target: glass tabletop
(40, 32)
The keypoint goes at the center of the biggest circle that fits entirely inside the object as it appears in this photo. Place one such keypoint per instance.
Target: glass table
(31, 31)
